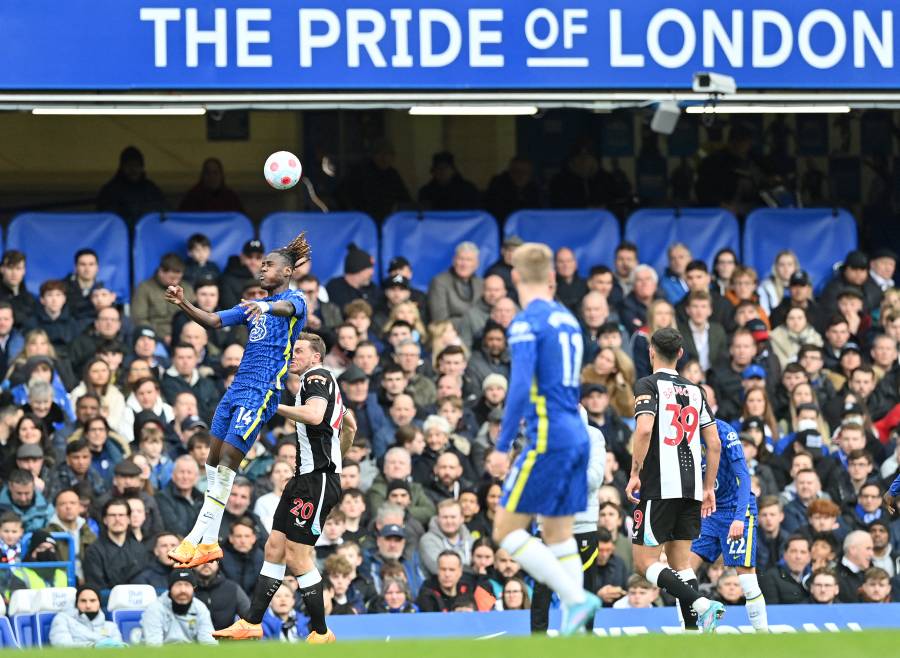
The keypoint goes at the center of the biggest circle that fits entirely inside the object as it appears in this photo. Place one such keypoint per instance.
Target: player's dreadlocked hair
(297, 251)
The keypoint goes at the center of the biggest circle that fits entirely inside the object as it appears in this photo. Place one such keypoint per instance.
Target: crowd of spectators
(104, 427)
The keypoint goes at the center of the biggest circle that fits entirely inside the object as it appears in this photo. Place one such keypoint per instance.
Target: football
(282, 170)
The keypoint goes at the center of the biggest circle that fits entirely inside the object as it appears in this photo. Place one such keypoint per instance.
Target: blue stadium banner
(852, 617)
(445, 44)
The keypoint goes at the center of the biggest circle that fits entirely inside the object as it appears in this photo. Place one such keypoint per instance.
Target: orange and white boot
(318, 638)
(205, 553)
(183, 553)
(240, 630)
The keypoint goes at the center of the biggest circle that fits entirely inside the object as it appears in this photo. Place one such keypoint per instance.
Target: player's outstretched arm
(253, 308)
(311, 413)
(175, 295)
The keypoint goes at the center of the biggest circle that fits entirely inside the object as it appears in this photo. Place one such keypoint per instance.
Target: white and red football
(283, 170)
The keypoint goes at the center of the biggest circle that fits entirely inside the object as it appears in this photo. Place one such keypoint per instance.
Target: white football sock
(567, 554)
(195, 536)
(756, 602)
(542, 565)
(218, 495)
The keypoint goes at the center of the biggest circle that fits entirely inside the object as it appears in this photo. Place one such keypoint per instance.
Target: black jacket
(850, 583)
(107, 564)
(729, 391)
(570, 293)
(24, 303)
(770, 549)
(225, 600)
(204, 389)
(61, 331)
(242, 568)
(235, 278)
(779, 586)
(156, 575)
(178, 513)
(614, 572)
(151, 526)
(432, 599)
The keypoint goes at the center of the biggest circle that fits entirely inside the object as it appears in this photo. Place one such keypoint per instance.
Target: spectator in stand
(447, 189)
(67, 518)
(858, 550)
(704, 339)
(594, 317)
(180, 501)
(503, 266)
(210, 194)
(52, 315)
(570, 285)
(374, 186)
(788, 338)
(799, 295)
(876, 587)
(399, 265)
(824, 587)
(389, 549)
(206, 298)
(602, 280)
(84, 625)
(853, 275)
(513, 189)
(321, 317)
(31, 458)
(698, 279)
(80, 284)
(441, 591)
(12, 342)
(223, 597)
(868, 506)
(402, 411)
(369, 416)
(76, 469)
(637, 302)
(504, 312)
(673, 285)
(612, 571)
(492, 357)
(882, 267)
(346, 600)
(407, 354)
(837, 336)
(787, 581)
(398, 466)
(240, 271)
(243, 554)
(97, 380)
(12, 287)
(742, 288)
(281, 621)
(453, 292)
(581, 182)
(20, 496)
(183, 376)
(809, 488)
(774, 289)
(884, 355)
(237, 508)
(356, 282)
(129, 193)
(116, 557)
(727, 381)
(395, 598)
(772, 536)
(613, 370)
(156, 573)
(145, 396)
(177, 616)
(149, 305)
(199, 266)
(884, 555)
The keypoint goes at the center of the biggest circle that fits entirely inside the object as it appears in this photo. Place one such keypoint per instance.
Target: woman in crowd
(29, 431)
(787, 339)
(37, 343)
(723, 267)
(515, 595)
(266, 504)
(408, 312)
(97, 379)
(442, 334)
(613, 369)
(395, 598)
(660, 314)
(692, 372)
(803, 394)
(757, 405)
(775, 286)
(742, 288)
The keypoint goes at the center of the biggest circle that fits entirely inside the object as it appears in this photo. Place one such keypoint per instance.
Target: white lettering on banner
(762, 59)
(368, 40)
(570, 29)
(618, 59)
(308, 40)
(478, 36)
(160, 17)
(732, 44)
(427, 19)
(863, 32)
(246, 37)
(194, 36)
(401, 57)
(689, 38)
(809, 21)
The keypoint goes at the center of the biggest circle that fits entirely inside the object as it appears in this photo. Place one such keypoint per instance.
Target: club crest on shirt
(259, 329)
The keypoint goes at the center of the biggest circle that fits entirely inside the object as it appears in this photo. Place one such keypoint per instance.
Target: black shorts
(305, 504)
(670, 519)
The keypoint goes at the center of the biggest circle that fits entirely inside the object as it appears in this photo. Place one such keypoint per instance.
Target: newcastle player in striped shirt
(671, 414)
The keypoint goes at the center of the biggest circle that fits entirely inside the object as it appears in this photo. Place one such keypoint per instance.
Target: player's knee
(274, 550)
(299, 557)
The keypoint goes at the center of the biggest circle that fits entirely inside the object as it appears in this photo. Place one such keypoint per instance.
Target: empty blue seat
(157, 234)
(703, 230)
(591, 234)
(50, 240)
(328, 235)
(428, 240)
(820, 237)
(26, 629)
(7, 636)
(129, 623)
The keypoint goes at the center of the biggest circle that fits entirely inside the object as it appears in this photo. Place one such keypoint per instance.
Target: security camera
(714, 83)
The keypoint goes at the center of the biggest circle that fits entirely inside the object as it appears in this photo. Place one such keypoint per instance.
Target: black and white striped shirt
(319, 446)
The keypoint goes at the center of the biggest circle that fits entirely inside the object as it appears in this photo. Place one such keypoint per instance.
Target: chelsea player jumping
(252, 400)
(550, 476)
(731, 531)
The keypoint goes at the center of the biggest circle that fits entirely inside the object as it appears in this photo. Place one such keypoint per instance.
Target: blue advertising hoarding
(444, 44)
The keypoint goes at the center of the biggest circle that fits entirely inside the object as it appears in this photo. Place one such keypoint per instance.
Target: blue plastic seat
(821, 238)
(703, 230)
(50, 240)
(128, 622)
(328, 235)
(42, 626)
(7, 636)
(591, 234)
(428, 240)
(157, 234)
(26, 629)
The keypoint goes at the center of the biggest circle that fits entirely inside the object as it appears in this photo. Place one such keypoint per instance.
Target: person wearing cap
(240, 270)
(149, 305)
(129, 193)
(492, 357)
(177, 616)
(374, 186)
(800, 295)
(144, 346)
(116, 557)
(398, 289)
(401, 266)
(595, 400)
(30, 457)
(356, 281)
(370, 419)
(854, 274)
(41, 548)
(882, 266)
(84, 625)
(453, 292)
(447, 189)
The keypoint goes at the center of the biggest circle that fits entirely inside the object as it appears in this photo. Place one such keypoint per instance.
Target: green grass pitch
(868, 644)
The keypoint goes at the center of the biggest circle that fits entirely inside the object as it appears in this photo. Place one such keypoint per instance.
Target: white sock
(542, 565)
(273, 570)
(218, 496)
(756, 602)
(309, 579)
(195, 536)
(567, 554)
